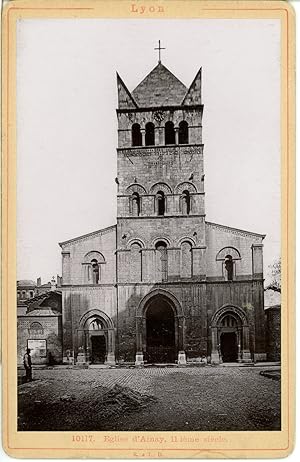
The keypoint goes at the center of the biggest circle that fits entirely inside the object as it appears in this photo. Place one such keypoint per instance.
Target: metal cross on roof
(159, 48)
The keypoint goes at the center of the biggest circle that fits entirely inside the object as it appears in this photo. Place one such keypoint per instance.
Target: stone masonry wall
(74, 252)
(192, 299)
(273, 333)
(78, 301)
(52, 333)
(172, 165)
(218, 237)
(246, 295)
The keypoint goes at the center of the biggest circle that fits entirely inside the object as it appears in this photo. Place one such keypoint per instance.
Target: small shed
(40, 329)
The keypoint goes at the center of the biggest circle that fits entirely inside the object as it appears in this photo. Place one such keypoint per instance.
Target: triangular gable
(193, 95)
(159, 88)
(125, 98)
(241, 232)
(99, 232)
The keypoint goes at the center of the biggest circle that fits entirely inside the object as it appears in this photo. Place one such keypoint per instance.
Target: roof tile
(159, 88)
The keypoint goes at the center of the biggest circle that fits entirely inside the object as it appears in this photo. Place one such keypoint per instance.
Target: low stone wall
(273, 334)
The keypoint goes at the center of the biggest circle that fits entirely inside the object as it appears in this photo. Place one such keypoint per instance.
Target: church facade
(163, 285)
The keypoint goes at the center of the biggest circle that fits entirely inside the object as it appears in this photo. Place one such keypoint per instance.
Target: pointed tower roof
(159, 88)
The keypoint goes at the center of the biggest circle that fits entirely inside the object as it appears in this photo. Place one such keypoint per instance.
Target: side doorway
(98, 349)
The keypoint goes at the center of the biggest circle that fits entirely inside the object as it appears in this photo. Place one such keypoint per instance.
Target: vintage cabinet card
(148, 229)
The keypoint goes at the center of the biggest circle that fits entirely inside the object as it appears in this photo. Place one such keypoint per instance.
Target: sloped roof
(236, 230)
(26, 283)
(37, 302)
(43, 312)
(88, 235)
(159, 88)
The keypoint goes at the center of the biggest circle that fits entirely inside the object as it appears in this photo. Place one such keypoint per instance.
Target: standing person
(28, 365)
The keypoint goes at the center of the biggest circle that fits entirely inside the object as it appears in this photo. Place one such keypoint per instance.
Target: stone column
(257, 261)
(148, 265)
(157, 136)
(139, 357)
(215, 358)
(143, 132)
(111, 360)
(173, 262)
(246, 356)
(176, 135)
(181, 341)
(239, 340)
(87, 347)
(199, 261)
(67, 338)
(161, 135)
(81, 354)
(66, 271)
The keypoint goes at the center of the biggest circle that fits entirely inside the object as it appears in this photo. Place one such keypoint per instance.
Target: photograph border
(266, 444)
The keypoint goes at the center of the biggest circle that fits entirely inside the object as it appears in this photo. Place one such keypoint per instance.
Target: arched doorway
(230, 336)
(160, 331)
(160, 326)
(96, 338)
(97, 341)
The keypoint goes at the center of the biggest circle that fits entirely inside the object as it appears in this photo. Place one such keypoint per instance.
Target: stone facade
(40, 329)
(162, 285)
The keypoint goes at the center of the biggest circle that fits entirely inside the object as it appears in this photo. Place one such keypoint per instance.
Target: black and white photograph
(148, 224)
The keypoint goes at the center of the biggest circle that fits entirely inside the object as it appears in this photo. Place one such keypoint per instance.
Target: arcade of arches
(160, 333)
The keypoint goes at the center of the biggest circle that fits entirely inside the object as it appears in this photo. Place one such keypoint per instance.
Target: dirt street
(198, 398)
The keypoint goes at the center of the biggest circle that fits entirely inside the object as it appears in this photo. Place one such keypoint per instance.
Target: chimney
(53, 283)
(39, 282)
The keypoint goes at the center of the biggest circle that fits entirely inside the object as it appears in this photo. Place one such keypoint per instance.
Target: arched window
(186, 260)
(136, 135)
(169, 133)
(160, 203)
(36, 328)
(135, 247)
(161, 248)
(136, 204)
(229, 258)
(183, 132)
(228, 263)
(93, 267)
(95, 271)
(95, 324)
(186, 203)
(149, 136)
(135, 262)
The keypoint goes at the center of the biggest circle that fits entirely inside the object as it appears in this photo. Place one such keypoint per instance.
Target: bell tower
(160, 171)
(160, 204)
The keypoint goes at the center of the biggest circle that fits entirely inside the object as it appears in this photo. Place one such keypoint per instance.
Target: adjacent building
(39, 324)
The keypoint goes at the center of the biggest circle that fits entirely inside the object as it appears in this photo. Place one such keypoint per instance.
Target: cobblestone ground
(204, 398)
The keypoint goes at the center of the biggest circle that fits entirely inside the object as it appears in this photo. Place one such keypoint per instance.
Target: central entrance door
(160, 332)
(229, 348)
(98, 349)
